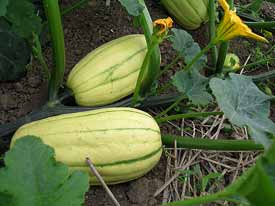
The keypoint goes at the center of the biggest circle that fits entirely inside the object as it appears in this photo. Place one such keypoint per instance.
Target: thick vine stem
(207, 144)
(44, 112)
(144, 66)
(212, 28)
(222, 55)
(223, 48)
(153, 69)
(52, 11)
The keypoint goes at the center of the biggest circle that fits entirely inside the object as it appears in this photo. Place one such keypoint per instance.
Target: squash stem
(199, 200)
(221, 58)
(169, 66)
(208, 144)
(223, 48)
(52, 11)
(144, 66)
(212, 29)
(187, 115)
(153, 67)
(44, 112)
(182, 97)
(199, 55)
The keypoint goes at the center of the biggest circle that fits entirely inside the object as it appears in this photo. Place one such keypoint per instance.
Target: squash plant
(238, 97)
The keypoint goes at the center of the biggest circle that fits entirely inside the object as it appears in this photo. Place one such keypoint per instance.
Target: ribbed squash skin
(190, 14)
(123, 143)
(108, 73)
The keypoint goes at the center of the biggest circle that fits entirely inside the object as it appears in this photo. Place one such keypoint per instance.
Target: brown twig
(100, 179)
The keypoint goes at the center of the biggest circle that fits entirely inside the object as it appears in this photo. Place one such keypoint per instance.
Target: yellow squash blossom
(232, 26)
(163, 25)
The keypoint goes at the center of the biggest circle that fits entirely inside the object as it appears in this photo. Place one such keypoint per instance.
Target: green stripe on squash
(121, 172)
(112, 69)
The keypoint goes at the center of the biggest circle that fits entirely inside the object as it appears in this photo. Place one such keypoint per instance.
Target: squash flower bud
(162, 26)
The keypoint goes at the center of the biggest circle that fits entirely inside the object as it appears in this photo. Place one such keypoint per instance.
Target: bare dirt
(85, 29)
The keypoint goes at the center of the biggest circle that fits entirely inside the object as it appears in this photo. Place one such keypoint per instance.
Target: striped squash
(123, 143)
(108, 73)
(190, 14)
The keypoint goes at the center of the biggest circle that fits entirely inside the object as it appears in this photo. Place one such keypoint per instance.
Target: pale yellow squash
(123, 143)
(108, 73)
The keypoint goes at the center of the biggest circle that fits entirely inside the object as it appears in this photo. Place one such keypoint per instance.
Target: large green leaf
(184, 44)
(3, 7)
(133, 7)
(14, 54)
(258, 186)
(265, 189)
(193, 85)
(245, 105)
(32, 177)
(23, 18)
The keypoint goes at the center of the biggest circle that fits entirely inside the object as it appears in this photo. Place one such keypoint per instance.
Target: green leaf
(23, 18)
(133, 7)
(245, 105)
(260, 186)
(7, 199)
(14, 54)
(32, 177)
(184, 44)
(3, 7)
(193, 85)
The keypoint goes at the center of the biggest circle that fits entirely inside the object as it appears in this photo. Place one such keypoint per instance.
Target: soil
(85, 29)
